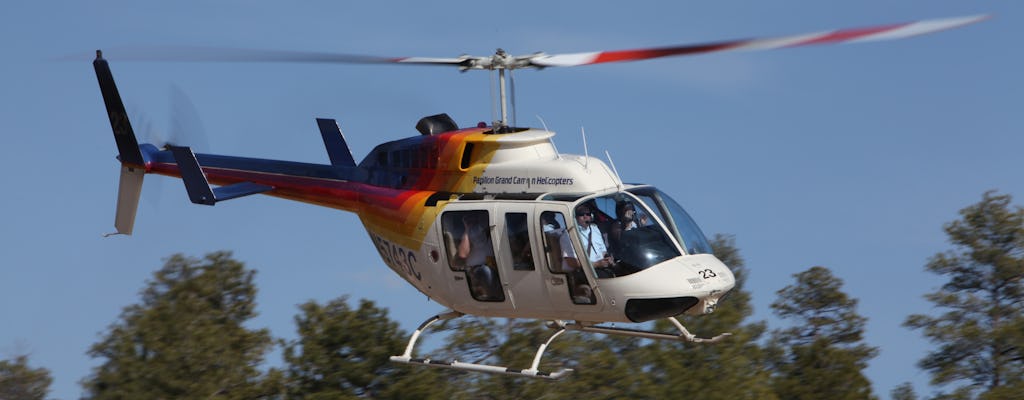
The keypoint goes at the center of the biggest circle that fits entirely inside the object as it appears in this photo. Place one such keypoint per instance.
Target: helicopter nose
(688, 284)
(641, 310)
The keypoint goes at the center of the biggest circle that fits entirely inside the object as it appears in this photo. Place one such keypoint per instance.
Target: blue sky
(850, 156)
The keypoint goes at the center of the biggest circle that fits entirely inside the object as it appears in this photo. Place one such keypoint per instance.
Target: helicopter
(487, 220)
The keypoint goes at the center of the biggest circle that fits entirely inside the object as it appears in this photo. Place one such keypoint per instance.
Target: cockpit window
(638, 228)
(676, 219)
(635, 241)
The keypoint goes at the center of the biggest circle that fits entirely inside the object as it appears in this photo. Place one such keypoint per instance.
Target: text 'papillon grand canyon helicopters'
(487, 220)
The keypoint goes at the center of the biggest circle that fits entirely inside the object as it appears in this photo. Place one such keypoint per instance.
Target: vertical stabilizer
(127, 145)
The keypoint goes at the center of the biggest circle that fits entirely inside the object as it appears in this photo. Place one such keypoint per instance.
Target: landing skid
(560, 327)
(532, 372)
(683, 336)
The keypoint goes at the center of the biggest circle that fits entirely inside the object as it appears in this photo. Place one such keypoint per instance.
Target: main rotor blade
(866, 34)
(227, 54)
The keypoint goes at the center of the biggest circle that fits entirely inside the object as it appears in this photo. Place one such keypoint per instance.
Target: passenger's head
(625, 210)
(584, 215)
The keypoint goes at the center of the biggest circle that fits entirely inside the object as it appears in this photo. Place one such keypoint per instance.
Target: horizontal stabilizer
(334, 140)
(198, 187)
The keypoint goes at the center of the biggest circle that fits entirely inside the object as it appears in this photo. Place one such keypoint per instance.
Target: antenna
(586, 153)
(614, 170)
(545, 125)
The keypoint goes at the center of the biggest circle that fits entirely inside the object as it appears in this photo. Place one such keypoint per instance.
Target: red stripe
(644, 54)
(848, 34)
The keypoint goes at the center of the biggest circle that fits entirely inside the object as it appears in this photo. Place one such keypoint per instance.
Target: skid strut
(533, 371)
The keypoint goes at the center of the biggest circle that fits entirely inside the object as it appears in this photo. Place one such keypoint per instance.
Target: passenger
(625, 212)
(475, 245)
(593, 244)
(477, 254)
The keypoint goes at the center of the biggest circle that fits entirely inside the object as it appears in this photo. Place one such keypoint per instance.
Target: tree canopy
(186, 337)
(980, 330)
(20, 381)
(822, 354)
(344, 353)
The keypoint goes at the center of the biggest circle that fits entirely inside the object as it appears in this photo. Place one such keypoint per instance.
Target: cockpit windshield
(677, 220)
(638, 227)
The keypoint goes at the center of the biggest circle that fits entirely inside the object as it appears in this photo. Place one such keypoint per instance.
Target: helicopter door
(518, 258)
(565, 284)
(467, 235)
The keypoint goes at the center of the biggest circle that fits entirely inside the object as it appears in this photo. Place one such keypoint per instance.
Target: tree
(511, 343)
(344, 353)
(980, 333)
(186, 338)
(904, 391)
(822, 354)
(20, 381)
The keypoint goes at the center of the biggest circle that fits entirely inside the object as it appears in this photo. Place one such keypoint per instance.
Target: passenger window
(467, 237)
(557, 247)
(553, 224)
(519, 241)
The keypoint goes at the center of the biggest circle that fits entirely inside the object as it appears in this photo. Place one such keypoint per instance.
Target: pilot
(593, 244)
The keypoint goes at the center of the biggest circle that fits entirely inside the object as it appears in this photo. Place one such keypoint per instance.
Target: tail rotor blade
(186, 125)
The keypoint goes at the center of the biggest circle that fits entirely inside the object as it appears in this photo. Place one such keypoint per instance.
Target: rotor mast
(503, 99)
(501, 61)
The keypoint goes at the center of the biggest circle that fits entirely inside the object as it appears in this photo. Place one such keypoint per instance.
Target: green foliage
(821, 355)
(186, 339)
(20, 381)
(506, 342)
(821, 308)
(904, 391)
(344, 353)
(608, 367)
(980, 332)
